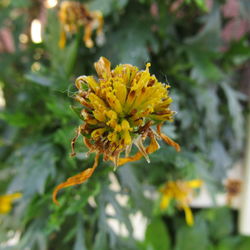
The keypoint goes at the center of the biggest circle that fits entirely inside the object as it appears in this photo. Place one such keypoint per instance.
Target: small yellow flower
(6, 202)
(181, 192)
(119, 110)
(73, 16)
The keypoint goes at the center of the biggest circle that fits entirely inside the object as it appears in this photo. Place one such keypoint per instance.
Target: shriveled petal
(168, 140)
(103, 68)
(73, 153)
(152, 147)
(77, 179)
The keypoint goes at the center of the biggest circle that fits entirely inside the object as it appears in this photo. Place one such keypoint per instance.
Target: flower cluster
(119, 110)
(73, 15)
(6, 202)
(181, 192)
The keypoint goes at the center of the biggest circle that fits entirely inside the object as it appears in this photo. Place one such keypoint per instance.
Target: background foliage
(188, 46)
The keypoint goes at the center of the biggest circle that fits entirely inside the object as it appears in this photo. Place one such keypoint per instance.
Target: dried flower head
(6, 202)
(119, 110)
(73, 16)
(181, 192)
(233, 189)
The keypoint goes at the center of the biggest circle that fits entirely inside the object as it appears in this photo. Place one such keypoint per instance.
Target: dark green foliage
(40, 119)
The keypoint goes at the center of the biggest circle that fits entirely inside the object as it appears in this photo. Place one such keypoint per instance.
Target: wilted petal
(77, 179)
(153, 146)
(168, 140)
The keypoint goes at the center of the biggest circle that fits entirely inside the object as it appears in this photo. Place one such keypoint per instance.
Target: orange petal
(62, 40)
(77, 179)
(153, 146)
(168, 140)
(87, 36)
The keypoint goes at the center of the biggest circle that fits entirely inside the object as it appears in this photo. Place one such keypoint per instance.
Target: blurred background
(201, 48)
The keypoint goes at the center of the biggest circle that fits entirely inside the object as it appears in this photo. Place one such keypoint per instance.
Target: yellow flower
(6, 202)
(181, 192)
(73, 15)
(119, 110)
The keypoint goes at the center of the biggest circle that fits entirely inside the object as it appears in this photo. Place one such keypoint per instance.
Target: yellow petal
(62, 40)
(90, 80)
(87, 36)
(103, 67)
(195, 183)
(120, 92)
(6, 201)
(188, 215)
(165, 201)
(97, 133)
(77, 179)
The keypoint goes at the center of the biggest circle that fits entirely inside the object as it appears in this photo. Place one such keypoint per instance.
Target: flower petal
(152, 147)
(188, 215)
(165, 201)
(195, 183)
(76, 179)
(103, 67)
(62, 40)
(168, 140)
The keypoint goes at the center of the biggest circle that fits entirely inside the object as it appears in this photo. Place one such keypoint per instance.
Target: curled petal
(77, 179)
(152, 147)
(168, 140)
(73, 153)
(103, 68)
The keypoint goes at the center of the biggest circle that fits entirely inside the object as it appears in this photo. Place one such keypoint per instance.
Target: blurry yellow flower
(119, 109)
(6, 202)
(73, 15)
(181, 192)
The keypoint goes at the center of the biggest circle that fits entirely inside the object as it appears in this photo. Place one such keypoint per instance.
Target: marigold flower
(119, 110)
(6, 202)
(73, 16)
(181, 192)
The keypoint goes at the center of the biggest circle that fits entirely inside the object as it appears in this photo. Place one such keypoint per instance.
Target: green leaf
(77, 110)
(100, 241)
(245, 244)
(230, 243)
(157, 236)
(70, 56)
(34, 164)
(79, 243)
(220, 222)
(195, 237)
(41, 80)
